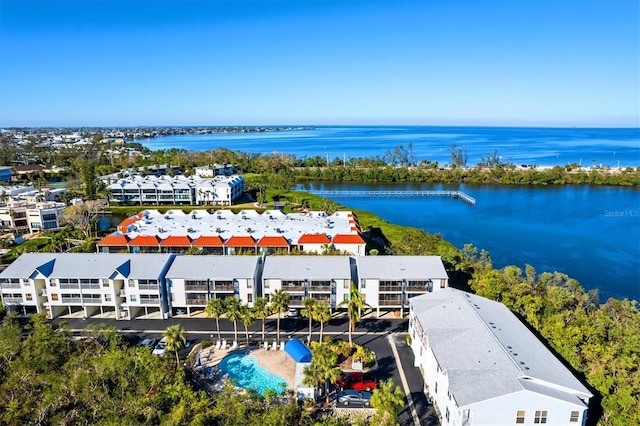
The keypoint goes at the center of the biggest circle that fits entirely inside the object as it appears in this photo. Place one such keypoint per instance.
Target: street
(375, 334)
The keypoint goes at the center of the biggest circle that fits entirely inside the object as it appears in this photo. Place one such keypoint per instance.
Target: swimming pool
(248, 374)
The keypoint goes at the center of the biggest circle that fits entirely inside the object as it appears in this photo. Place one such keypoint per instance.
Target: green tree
(233, 309)
(262, 310)
(176, 340)
(354, 305)
(247, 316)
(322, 314)
(280, 304)
(308, 311)
(386, 398)
(215, 309)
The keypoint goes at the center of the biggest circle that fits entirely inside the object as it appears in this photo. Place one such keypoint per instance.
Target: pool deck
(277, 362)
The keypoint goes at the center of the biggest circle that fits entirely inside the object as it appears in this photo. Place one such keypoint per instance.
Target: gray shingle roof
(306, 267)
(216, 267)
(395, 267)
(487, 351)
(87, 265)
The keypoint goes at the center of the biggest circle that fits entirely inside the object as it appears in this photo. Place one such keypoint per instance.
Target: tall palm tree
(176, 340)
(262, 310)
(308, 311)
(215, 309)
(322, 314)
(280, 304)
(313, 375)
(247, 316)
(233, 309)
(354, 305)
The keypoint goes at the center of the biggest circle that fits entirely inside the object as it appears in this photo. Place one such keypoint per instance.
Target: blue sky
(439, 62)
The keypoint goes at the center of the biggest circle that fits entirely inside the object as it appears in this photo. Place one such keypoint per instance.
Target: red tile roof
(238, 241)
(145, 241)
(208, 241)
(313, 239)
(347, 239)
(114, 240)
(176, 241)
(273, 241)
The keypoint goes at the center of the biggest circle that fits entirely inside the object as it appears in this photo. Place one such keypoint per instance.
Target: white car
(161, 347)
(293, 313)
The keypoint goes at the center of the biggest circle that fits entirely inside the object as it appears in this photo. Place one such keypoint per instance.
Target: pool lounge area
(250, 366)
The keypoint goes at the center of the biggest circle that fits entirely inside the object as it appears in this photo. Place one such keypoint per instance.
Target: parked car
(357, 381)
(354, 397)
(161, 347)
(293, 313)
(150, 342)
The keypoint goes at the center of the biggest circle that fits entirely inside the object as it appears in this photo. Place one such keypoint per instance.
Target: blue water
(591, 233)
(248, 374)
(540, 146)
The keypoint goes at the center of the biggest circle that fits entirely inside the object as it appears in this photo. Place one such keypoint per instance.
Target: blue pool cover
(297, 350)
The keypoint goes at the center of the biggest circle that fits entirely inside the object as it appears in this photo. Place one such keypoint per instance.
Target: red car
(357, 381)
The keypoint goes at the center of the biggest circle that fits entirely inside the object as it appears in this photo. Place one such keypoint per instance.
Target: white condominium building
(483, 367)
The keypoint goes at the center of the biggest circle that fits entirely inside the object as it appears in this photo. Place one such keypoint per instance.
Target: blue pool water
(248, 374)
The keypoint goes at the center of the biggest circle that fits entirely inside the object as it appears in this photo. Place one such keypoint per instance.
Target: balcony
(390, 288)
(293, 288)
(198, 287)
(148, 286)
(316, 288)
(197, 301)
(154, 301)
(122, 293)
(223, 287)
(72, 300)
(12, 299)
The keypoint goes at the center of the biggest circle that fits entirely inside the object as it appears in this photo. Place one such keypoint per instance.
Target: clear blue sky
(440, 62)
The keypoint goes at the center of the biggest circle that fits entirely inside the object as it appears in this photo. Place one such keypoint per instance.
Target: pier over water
(394, 194)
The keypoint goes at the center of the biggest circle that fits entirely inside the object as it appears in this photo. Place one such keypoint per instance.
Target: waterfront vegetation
(48, 377)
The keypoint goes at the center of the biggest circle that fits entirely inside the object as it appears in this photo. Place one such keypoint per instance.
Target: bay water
(591, 233)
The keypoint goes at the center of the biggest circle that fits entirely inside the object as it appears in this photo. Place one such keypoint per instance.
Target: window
(105, 283)
(520, 415)
(540, 417)
(132, 283)
(29, 297)
(442, 283)
(345, 297)
(575, 416)
(249, 298)
(107, 298)
(54, 297)
(132, 297)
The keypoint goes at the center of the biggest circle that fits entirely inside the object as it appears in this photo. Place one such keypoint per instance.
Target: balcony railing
(71, 300)
(290, 288)
(197, 287)
(150, 301)
(389, 303)
(418, 288)
(198, 301)
(148, 286)
(10, 285)
(391, 288)
(12, 299)
(223, 287)
(320, 288)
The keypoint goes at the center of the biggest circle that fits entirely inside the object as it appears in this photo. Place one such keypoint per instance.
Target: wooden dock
(395, 194)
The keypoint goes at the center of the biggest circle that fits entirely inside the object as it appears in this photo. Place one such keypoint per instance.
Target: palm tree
(355, 305)
(308, 311)
(262, 310)
(388, 398)
(247, 316)
(215, 309)
(322, 314)
(313, 375)
(175, 340)
(233, 311)
(280, 304)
